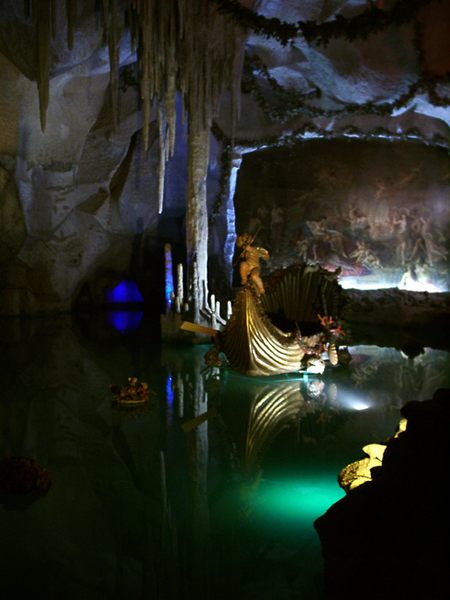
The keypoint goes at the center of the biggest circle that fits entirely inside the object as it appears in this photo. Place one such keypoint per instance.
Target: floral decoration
(23, 475)
(333, 330)
(135, 392)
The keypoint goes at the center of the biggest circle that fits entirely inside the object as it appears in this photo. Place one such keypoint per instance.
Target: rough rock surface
(399, 308)
(87, 193)
(388, 538)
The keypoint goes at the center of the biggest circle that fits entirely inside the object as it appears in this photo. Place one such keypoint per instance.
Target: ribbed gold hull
(253, 345)
(276, 407)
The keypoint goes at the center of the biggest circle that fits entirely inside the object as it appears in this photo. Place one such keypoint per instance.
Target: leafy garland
(290, 103)
(368, 22)
(311, 130)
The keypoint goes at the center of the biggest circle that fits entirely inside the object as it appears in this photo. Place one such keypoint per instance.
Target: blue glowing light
(169, 286)
(124, 321)
(169, 390)
(125, 291)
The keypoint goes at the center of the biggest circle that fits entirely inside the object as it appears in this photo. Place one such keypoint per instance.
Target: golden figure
(250, 257)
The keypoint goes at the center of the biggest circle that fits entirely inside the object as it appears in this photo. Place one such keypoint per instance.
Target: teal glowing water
(211, 489)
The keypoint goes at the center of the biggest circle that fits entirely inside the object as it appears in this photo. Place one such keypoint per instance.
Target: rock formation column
(197, 212)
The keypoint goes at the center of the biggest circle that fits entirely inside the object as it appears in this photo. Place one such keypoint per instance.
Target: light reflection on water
(211, 490)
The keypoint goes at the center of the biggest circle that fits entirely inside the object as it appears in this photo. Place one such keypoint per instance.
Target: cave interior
(139, 139)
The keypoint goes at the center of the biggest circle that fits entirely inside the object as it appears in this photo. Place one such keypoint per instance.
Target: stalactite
(27, 8)
(71, 11)
(162, 156)
(43, 18)
(171, 85)
(105, 20)
(142, 10)
(53, 9)
(171, 114)
(133, 26)
(183, 46)
(110, 25)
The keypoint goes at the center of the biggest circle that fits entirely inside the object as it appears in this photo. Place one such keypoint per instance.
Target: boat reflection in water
(265, 453)
(212, 490)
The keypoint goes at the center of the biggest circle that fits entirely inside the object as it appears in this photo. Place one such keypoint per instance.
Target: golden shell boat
(252, 342)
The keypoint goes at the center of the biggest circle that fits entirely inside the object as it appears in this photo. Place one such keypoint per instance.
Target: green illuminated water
(152, 504)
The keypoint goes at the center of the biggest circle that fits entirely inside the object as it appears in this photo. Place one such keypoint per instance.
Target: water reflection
(211, 491)
(124, 321)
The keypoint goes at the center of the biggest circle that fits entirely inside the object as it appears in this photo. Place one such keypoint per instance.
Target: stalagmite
(196, 208)
(180, 290)
(229, 309)
(179, 391)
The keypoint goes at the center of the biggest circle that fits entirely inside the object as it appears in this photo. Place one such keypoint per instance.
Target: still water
(210, 490)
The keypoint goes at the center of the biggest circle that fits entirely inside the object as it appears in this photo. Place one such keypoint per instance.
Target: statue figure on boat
(250, 260)
(285, 322)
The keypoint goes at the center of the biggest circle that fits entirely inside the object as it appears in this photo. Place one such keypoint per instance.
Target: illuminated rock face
(88, 195)
(387, 538)
(359, 472)
(78, 203)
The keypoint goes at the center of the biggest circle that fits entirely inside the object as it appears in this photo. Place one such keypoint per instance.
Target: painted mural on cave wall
(378, 212)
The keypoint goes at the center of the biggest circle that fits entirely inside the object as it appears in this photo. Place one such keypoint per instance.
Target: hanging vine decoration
(290, 103)
(310, 130)
(287, 100)
(372, 20)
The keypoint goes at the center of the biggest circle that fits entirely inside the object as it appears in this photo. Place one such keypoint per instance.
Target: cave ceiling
(390, 84)
(83, 82)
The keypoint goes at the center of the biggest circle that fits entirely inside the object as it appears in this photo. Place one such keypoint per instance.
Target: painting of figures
(379, 213)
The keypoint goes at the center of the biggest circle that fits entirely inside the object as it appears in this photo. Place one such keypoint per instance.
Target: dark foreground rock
(388, 538)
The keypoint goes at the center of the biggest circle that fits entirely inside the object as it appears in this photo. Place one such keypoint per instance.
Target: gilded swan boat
(255, 343)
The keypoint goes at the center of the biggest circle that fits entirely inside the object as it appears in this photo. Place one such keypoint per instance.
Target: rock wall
(78, 202)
